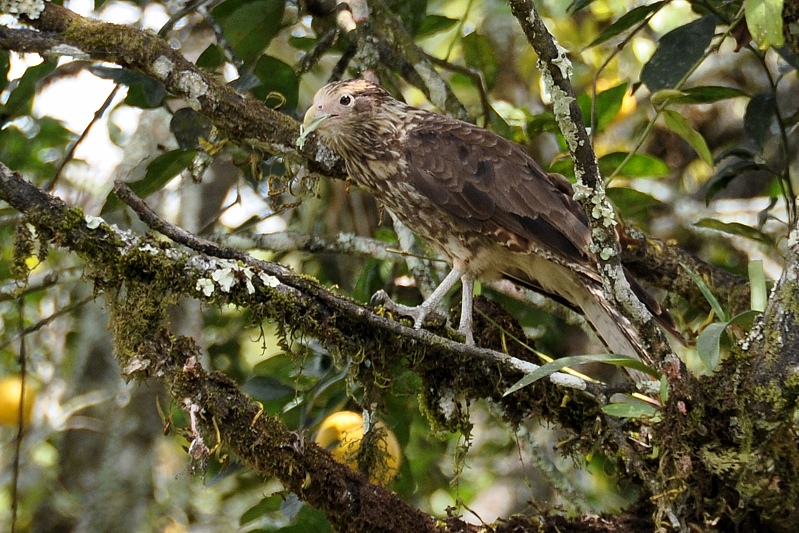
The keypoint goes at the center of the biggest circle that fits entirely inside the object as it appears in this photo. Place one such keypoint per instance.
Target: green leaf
(764, 20)
(162, 169)
(307, 519)
(735, 228)
(478, 53)
(249, 26)
(677, 52)
(682, 127)
(559, 364)
(723, 177)
(705, 290)
(20, 100)
(32, 150)
(212, 58)
(265, 388)
(500, 126)
(189, 126)
(303, 43)
(277, 78)
(745, 319)
(631, 202)
(434, 24)
(626, 21)
(270, 504)
(564, 166)
(159, 172)
(143, 91)
(758, 294)
(146, 95)
(541, 123)
(707, 94)
(760, 114)
(708, 344)
(277, 366)
(632, 409)
(663, 96)
(411, 13)
(608, 104)
(639, 165)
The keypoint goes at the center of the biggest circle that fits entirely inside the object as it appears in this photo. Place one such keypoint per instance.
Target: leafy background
(694, 125)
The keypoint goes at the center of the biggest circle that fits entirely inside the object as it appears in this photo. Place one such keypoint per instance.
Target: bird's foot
(417, 313)
(467, 335)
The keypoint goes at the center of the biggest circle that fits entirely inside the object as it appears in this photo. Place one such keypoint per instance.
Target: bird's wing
(489, 184)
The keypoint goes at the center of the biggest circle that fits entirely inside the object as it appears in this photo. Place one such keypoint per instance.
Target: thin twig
(23, 332)
(20, 419)
(71, 152)
(478, 79)
(312, 57)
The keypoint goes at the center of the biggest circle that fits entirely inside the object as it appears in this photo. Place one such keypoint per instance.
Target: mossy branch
(277, 294)
(264, 444)
(242, 117)
(589, 189)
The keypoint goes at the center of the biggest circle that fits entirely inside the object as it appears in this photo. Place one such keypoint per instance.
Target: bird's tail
(613, 328)
(587, 297)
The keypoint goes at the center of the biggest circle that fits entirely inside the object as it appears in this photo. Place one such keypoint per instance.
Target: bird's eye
(345, 100)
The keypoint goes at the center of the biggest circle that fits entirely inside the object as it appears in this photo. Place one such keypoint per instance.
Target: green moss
(23, 248)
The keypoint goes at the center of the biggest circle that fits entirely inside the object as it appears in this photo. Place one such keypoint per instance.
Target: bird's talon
(418, 313)
(380, 297)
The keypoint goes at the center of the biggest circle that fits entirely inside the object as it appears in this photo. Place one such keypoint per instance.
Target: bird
(479, 200)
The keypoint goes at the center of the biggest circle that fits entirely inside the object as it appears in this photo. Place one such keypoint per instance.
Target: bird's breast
(462, 245)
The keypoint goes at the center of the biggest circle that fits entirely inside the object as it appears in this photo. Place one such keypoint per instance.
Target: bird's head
(341, 108)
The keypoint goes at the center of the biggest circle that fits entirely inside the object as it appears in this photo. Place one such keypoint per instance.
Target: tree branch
(589, 189)
(247, 120)
(263, 443)
(660, 264)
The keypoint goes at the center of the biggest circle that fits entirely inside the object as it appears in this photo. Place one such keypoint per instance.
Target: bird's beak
(313, 117)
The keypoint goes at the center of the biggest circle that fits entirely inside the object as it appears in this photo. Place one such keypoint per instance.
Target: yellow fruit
(341, 434)
(10, 389)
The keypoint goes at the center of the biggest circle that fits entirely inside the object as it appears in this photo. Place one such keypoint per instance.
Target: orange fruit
(341, 434)
(10, 391)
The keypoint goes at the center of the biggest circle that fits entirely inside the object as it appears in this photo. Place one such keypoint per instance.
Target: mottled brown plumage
(476, 198)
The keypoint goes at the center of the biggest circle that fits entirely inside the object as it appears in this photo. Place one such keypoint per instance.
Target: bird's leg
(420, 312)
(467, 308)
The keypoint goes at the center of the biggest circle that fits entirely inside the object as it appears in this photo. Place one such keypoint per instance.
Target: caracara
(478, 199)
